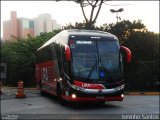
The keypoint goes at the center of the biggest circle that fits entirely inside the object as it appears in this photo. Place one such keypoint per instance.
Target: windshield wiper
(89, 75)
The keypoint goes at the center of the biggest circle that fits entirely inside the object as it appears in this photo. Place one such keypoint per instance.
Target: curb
(142, 93)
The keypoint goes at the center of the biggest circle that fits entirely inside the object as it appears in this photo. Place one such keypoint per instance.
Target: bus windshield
(92, 60)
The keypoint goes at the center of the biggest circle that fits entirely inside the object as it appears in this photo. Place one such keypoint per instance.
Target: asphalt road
(35, 106)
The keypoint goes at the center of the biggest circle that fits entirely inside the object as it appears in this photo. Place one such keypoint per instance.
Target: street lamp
(116, 11)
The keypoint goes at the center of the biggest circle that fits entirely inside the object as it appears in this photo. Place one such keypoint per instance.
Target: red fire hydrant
(20, 92)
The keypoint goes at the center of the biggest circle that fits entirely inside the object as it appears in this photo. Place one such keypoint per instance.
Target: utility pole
(117, 11)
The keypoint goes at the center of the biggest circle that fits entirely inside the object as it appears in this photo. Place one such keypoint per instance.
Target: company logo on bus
(88, 85)
(99, 91)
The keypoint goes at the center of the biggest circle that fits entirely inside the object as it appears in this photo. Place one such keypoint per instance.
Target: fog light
(122, 95)
(73, 96)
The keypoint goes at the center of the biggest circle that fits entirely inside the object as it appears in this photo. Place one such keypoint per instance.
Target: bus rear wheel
(102, 102)
(41, 91)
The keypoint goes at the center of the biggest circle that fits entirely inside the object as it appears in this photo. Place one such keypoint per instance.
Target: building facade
(17, 28)
(6, 30)
(43, 23)
(14, 24)
(55, 25)
(25, 27)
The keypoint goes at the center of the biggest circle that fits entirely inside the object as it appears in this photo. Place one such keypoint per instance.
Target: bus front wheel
(59, 95)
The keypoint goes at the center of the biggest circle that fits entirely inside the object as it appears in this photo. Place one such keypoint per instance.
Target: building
(7, 30)
(10, 27)
(14, 24)
(17, 27)
(45, 23)
(23, 27)
(55, 25)
(42, 23)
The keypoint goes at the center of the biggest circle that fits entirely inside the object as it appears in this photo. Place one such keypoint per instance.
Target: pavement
(35, 106)
(142, 105)
(10, 92)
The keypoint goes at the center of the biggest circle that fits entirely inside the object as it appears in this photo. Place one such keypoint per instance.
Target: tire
(42, 93)
(59, 96)
(102, 102)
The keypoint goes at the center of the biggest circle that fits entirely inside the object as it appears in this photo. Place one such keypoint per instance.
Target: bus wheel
(59, 95)
(42, 93)
(101, 102)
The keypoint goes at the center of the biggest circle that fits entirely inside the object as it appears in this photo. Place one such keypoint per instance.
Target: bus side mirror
(128, 53)
(67, 53)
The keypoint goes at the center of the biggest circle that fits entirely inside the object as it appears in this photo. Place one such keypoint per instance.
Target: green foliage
(81, 25)
(20, 57)
(144, 46)
(77, 25)
(143, 73)
(124, 28)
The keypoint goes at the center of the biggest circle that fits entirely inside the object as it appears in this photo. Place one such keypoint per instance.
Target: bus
(82, 65)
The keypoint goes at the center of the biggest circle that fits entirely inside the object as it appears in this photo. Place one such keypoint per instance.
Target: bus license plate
(99, 97)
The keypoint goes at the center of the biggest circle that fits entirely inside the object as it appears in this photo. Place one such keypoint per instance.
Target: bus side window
(53, 51)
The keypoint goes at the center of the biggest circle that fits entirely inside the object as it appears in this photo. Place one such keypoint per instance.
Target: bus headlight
(73, 96)
(122, 95)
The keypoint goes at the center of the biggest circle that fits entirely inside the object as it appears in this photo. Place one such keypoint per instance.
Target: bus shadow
(83, 105)
(92, 105)
(50, 97)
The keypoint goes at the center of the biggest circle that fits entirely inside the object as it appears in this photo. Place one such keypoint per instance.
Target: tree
(124, 28)
(20, 57)
(143, 72)
(76, 26)
(93, 4)
(95, 9)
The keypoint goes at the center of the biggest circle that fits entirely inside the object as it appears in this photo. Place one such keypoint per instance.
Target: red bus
(82, 65)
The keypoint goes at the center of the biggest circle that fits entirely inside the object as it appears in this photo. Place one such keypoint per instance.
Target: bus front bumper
(80, 95)
(74, 98)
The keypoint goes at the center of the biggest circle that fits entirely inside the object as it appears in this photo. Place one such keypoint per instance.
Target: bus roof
(78, 32)
(89, 32)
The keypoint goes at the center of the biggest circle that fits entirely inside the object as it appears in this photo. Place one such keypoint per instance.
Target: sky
(66, 12)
